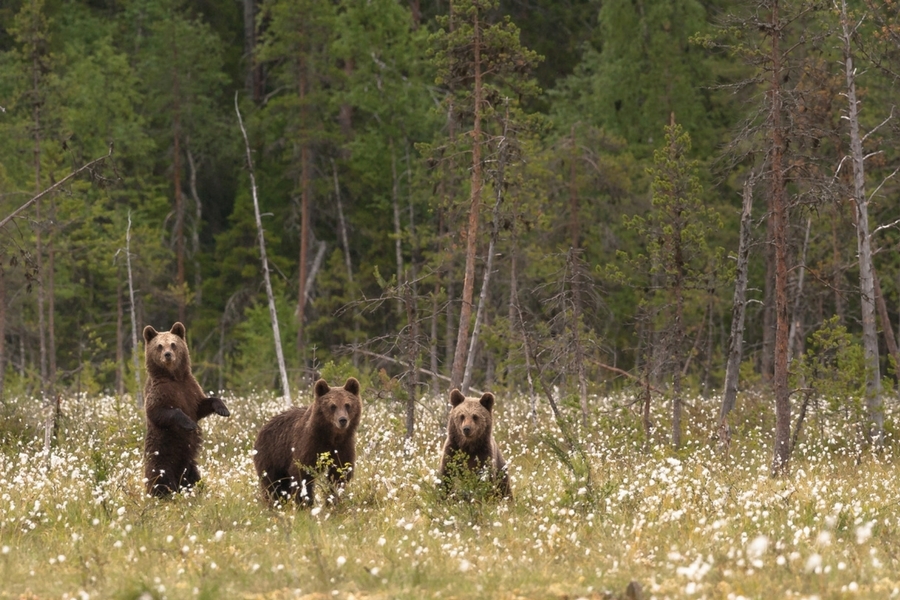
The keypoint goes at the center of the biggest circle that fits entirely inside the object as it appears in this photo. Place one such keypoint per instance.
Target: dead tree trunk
(135, 358)
(875, 429)
(273, 314)
(738, 306)
(195, 230)
(795, 318)
(2, 328)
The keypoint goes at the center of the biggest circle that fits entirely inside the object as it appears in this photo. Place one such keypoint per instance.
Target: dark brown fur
(173, 403)
(290, 444)
(470, 432)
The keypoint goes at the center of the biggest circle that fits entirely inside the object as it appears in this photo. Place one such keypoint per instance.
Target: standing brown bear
(289, 448)
(471, 442)
(173, 402)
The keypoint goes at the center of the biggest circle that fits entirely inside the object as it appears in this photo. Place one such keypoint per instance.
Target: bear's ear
(149, 334)
(352, 386)
(487, 401)
(456, 397)
(321, 388)
(178, 329)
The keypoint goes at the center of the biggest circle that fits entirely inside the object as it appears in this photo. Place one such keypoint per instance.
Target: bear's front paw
(219, 408)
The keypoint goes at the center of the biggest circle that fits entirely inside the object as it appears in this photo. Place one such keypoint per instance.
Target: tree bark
(738, 305)
(782, 448)
(273, 313)
(465, 310)
(875, 429)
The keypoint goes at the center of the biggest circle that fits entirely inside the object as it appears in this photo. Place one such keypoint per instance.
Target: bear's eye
(333, 407)
(475, 417)
(159, 347)
(347, 406)
(172, 345)
(462, 418)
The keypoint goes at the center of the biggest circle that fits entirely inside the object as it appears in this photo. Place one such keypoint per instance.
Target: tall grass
(585, 521)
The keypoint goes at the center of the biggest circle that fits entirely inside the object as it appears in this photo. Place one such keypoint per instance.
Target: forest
(677, 199)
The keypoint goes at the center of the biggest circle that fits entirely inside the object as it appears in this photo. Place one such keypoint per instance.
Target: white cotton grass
(686, 524)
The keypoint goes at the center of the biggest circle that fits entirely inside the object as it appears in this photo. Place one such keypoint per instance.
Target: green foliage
(832, 374)
(466, 485)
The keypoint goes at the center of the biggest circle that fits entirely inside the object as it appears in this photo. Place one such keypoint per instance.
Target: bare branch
(56, 185)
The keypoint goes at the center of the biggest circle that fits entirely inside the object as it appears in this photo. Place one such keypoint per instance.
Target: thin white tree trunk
(195, 230)
(273, 314)
(866, 279)
(795, 317)
(135, 349)
(738, 304)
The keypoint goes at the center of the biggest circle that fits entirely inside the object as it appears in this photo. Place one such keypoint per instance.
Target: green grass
(76, 523)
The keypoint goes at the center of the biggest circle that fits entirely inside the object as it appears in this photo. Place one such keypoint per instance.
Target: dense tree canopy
(394, 143)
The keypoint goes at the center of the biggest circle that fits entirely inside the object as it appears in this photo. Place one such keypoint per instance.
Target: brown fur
(469, 431)
(173, 403)
(289, 445)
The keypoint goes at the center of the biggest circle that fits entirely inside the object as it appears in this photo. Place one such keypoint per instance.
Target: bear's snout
(467, 430)
(167, 356)
(343, 422)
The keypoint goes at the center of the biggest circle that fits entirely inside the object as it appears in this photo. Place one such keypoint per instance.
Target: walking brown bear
(173, 403)
(289, 448)
(470, 442)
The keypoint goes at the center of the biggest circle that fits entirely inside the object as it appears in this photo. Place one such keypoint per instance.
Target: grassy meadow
(587, 519)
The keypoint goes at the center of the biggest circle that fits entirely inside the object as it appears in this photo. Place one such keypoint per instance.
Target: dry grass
(76, 524)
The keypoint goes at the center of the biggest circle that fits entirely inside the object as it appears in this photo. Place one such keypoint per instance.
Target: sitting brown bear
(173, 402)
(289, 448)
(470, 440)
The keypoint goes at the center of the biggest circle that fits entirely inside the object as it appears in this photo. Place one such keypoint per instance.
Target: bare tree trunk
(495, 233)
(51, 307)
(465, 310)
(412, 374)
(304, 222)
(395, 202)
(575, 281)
(889, 339)
(342, 224)
(482, 297)
(273, 314)
(3, 360)
(795, 319)
(195, 230)
(782, 449)
(875, 429)
(738, 305)
(120, 341)
(135, 349)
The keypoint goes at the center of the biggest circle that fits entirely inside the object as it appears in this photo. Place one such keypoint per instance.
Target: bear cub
(470, 440)
(173, 403)
(289, 448)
